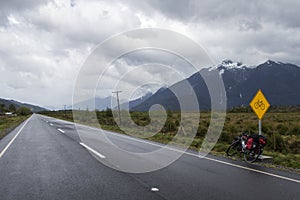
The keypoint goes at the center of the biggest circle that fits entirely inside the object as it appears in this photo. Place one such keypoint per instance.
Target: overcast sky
(45, 42)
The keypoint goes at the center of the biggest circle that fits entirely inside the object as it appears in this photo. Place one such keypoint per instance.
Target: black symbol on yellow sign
(259, 104)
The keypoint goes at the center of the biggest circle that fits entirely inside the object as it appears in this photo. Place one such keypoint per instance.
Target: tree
(24, 111)
(12, 108)
(2, 108)
(108, 112)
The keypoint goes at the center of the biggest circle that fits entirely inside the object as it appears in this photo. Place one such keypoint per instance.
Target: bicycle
(251, 146)
(259, 104)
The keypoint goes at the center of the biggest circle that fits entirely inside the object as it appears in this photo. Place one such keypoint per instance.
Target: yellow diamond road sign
(260, 104)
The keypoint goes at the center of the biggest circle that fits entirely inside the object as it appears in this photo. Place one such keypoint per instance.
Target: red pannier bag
(249, 143)
(262, 140)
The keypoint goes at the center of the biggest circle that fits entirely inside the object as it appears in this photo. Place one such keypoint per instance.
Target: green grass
(281, 126)
(7, 124)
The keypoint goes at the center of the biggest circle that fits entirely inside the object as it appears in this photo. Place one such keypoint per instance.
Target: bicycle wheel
(233, 148)
(251, 156)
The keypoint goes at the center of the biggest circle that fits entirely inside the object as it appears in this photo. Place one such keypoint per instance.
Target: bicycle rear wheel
(233, 148)
(251, 156)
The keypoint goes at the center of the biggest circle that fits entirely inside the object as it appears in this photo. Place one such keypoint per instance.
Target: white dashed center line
(61, 130)
(92, 150)
(154, 189)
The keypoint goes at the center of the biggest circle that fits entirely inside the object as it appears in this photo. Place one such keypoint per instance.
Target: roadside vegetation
(281, 126)
(10, 118)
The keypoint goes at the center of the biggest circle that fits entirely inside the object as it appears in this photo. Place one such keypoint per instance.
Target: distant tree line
(12, 108)
(274, 109)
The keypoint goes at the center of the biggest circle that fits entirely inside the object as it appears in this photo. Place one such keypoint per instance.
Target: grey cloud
(51, 43)
(246, 25)
(250, 31)
(18, 7)
(21, 5)
(226, 13)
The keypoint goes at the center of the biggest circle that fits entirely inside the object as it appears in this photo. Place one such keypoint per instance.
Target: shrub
(201, 132)
(24, 111)
(225, 137)
(108, 112)
(279, 143)
(267, 129)
(169, 126)
(233, 129)
(295, 147)
(12, 108)
(296, 130)
(282, 129)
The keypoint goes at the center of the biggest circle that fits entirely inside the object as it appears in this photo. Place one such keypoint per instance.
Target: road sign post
(259, 126)
(259, 105)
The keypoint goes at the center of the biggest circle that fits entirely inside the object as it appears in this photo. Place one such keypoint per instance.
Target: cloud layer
(44, 43)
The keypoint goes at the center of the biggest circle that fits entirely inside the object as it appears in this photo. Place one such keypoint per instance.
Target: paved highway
(44, 158)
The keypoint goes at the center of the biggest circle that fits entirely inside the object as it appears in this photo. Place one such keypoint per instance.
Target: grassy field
(281, 126)
(7, 124)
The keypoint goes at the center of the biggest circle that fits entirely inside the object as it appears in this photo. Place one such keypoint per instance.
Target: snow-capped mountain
(227, 65)
(279, 82)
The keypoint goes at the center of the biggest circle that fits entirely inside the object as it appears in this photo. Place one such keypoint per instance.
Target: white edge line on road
(92, 150)
(61, 130)
(204, 157)
(188, 153)
(12, 140)
(250, 169)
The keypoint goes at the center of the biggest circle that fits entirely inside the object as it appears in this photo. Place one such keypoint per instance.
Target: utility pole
(65, 110)
(118, 101)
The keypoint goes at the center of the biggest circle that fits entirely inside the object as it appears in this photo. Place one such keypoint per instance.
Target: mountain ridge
(279, 81)
(18, 104)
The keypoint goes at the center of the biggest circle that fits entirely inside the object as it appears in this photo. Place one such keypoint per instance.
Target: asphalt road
(44, 158)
